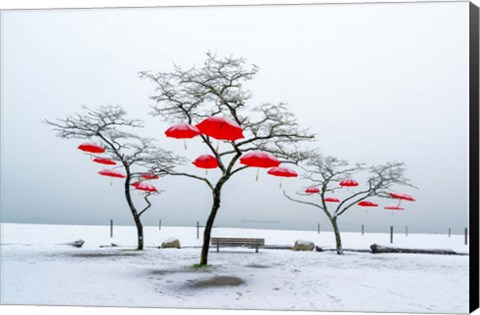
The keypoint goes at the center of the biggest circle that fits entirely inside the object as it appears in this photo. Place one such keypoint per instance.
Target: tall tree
(216, 89)
(136, 155)
(326, 172)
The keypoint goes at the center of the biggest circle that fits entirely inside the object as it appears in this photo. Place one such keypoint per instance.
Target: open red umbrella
(312, 190)
(111, 173)
(182, 131)
(220, 128)
(282, 172)
(149, 176)
(145, 187)
(348, 183)
(367, 204)
(91, 148)
(393, 207)
(135, 184)
(104, 161)
(332, 199)
(259, 159)
(206, 161)
(402, 196)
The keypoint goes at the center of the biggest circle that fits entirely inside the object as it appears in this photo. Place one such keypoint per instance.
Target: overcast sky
(375, 82)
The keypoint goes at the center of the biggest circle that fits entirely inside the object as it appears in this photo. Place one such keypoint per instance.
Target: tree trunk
(135, 215)
(139, 226)
(377, 249)
(211, 219)
(338, 240)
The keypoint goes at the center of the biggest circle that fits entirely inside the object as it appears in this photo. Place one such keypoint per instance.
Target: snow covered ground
(37, 269)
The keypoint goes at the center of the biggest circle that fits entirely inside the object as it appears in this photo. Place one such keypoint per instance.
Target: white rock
(172, 242)
(303, 245)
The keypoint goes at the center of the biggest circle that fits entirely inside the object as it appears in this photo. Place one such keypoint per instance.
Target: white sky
(376, 82)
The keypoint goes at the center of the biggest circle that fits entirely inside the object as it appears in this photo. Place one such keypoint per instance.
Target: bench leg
(218, 247)
(256, 247)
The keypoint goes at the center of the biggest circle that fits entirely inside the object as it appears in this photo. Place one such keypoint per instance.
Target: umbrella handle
(256, 178)
(185, 144)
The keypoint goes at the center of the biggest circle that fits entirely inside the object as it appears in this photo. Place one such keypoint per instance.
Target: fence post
(406, 231)
(466, 236)
(111, 228)
(449, 232)
(391, 235)
(198, 230)
(318, 228)
(159, 225)
(363, 229)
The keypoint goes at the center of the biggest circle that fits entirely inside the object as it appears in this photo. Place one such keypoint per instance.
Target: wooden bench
(238, 242)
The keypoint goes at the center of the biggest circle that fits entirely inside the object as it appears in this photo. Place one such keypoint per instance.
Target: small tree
(135, 154)
(326, 172)
(217, 89)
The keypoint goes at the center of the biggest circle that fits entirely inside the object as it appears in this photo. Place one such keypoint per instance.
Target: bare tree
(326, 172)
(135, 154)
(216, 88)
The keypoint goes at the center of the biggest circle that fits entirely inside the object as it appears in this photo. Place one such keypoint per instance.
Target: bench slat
(237, 241)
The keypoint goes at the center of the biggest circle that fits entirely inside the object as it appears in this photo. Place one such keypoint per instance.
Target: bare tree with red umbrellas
(330, 174)
(212, 100)
(110, 127)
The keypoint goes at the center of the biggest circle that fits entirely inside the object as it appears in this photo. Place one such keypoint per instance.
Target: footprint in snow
(334, 298)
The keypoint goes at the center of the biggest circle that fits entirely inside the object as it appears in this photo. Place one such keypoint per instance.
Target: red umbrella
(312, 190)
(393, 207)
(206, 161)
(402, 196)
(91, 148)
(135, 184)
(220, 128)
(182, 131)
(367, 203)
(259, 159)
(282, 172)
(111, 173)
(104, 161)
(145, 187)
(348, 183)
(149, 176)
(332, 199)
